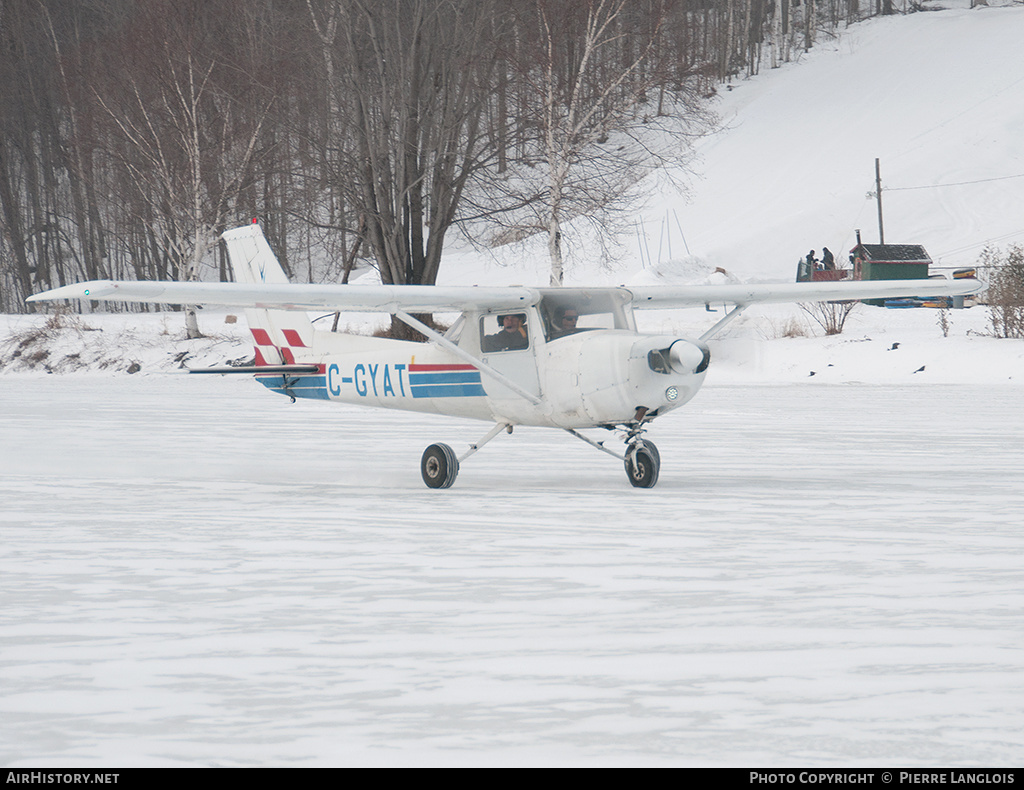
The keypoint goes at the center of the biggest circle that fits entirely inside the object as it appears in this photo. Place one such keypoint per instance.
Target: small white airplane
(568, 358)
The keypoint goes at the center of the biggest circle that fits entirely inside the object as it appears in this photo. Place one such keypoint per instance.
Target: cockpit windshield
(569, 311)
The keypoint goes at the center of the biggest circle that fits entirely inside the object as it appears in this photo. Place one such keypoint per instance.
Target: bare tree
(37, 238)
(589, 71)
(830, 316)
(1005, 293)
(416, 80)
(408, 83)
(185, 125)
(131, 131)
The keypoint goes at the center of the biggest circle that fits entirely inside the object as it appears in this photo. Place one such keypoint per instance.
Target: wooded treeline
(133, 132)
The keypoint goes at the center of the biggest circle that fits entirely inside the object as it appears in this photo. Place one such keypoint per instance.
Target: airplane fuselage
(588, 378)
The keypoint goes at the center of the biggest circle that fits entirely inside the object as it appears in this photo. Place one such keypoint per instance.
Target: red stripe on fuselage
(438, 368)
(261, 337)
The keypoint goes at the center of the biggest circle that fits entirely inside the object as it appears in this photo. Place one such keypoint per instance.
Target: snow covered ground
(196, 572)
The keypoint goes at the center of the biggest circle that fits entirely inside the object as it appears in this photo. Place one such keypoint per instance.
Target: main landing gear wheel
(643, 464)
(439, 466)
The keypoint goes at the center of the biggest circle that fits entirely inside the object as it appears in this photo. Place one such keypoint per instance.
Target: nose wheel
(641, 459)
(642, 462)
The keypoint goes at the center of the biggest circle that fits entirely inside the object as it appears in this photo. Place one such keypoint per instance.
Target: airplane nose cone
(686, 356)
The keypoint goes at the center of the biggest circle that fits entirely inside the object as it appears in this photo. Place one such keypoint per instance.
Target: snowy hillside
(938, 97)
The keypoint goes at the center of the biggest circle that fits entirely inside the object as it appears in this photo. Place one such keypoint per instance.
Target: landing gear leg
(439, 465)
(641, 459)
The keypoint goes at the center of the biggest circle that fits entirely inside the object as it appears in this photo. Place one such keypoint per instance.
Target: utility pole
(878, 198)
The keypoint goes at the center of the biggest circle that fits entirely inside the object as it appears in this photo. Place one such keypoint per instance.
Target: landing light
(672, 393)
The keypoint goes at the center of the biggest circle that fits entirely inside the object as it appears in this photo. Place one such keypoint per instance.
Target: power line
(957, 184)
(979, 244)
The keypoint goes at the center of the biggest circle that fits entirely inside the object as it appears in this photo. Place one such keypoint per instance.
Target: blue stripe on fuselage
(446, 384)
(440, 384)
(445, 390)
(453, 377)
(314, 387)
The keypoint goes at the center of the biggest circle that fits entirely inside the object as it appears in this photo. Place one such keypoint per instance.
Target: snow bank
(770, 343)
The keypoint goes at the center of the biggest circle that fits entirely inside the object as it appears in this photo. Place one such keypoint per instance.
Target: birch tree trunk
(582, 105)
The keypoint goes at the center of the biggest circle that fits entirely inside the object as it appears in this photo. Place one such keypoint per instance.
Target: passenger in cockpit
(565, 319)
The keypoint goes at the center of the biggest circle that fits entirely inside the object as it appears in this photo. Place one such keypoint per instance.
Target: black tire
(652, 448)
(439, 466)
(643, 472)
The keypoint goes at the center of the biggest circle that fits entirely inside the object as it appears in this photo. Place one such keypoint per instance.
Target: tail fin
(280, 335)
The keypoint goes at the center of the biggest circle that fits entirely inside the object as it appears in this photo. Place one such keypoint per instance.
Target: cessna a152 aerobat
(568, 358)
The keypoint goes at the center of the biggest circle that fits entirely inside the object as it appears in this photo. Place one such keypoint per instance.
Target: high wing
(346, 298)
(435, 298)
(653, 297)
(263, 285)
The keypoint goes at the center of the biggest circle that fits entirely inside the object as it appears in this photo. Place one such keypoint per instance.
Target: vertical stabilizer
(281, 336)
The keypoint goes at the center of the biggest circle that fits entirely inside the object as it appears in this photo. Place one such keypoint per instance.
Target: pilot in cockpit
(512, 336)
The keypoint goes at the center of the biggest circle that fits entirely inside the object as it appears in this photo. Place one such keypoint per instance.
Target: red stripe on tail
(293, 338)
(261, 336)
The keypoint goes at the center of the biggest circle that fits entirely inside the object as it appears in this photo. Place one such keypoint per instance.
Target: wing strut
(405, 318)
(725, 321)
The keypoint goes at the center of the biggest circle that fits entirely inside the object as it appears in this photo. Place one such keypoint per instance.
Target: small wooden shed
(890, 262)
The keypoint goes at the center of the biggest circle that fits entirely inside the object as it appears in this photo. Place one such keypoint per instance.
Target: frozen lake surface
(194, 572)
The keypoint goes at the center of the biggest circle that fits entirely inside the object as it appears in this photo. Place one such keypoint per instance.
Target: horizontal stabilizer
(259, 369)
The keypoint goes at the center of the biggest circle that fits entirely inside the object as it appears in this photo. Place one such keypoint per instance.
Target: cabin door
(510, 347)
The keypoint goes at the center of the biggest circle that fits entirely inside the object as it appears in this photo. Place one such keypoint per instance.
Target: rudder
(281, 336)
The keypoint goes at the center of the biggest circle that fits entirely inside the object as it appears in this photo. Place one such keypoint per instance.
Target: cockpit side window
(512, 333)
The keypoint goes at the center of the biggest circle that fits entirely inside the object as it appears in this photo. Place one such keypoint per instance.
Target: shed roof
(892, 253)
